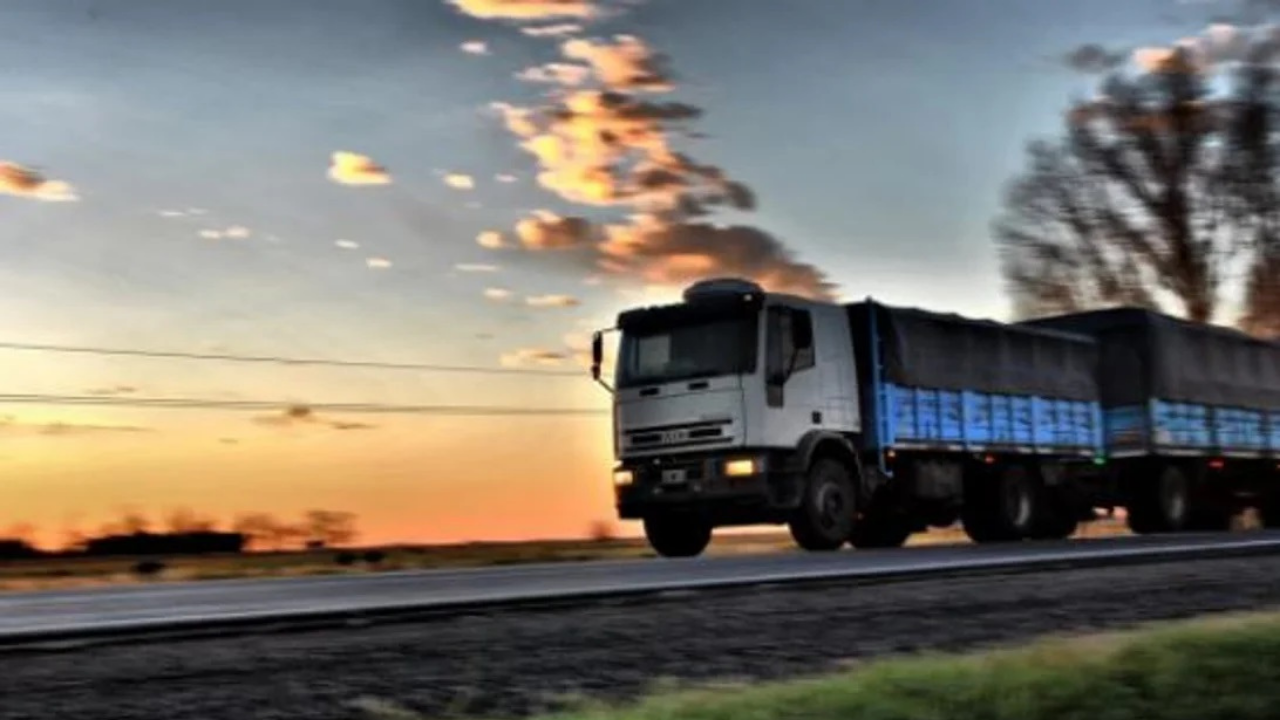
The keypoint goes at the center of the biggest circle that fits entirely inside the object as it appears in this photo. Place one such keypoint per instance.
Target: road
(84, 613)
(514, 662)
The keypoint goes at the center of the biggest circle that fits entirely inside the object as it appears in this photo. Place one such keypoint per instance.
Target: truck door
(793, 405)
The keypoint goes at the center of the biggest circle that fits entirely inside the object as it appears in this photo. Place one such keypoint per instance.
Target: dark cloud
(305, 415)
(1093, 59)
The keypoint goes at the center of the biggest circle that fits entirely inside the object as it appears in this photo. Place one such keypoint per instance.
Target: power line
(282, 360)
(275, 405)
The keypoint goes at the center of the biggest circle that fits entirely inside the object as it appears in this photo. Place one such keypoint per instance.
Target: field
(72, 572)
(1225, 667)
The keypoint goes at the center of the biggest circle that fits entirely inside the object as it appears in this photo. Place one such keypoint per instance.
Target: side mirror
(597, 355)
(802, 331)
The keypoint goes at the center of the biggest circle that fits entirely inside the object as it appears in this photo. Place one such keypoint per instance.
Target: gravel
(516, 663)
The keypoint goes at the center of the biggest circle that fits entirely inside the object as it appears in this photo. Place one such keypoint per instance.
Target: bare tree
(185, 520)
(1155, 192)
(330, 527)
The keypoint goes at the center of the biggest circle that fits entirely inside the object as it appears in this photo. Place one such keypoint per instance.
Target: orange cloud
(607, 145)
(552, 301)
(525, 9)
(347, 168)
(25, 182)
(549, 231)
(497, 294)
(626, 64)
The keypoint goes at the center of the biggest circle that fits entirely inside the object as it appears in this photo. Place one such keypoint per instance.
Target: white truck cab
(724, 405)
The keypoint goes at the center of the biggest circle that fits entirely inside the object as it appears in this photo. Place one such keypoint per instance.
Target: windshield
(685, 352)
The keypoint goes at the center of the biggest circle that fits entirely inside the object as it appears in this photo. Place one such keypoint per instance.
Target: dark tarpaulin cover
(1147, 355)
(950, 352)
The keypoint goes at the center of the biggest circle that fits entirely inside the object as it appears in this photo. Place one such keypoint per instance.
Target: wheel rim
(831, 506)
(1174, 497)
(1017, 502)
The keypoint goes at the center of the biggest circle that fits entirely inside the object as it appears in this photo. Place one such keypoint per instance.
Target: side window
(784, 324)
(802, 321)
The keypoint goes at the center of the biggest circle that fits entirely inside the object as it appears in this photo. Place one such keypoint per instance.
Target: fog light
(740, 468)
(622, 478)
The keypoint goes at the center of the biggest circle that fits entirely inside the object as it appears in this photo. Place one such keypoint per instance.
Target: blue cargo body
(945, 383)
(1173, 428)
(1171, 387)
(974, 421)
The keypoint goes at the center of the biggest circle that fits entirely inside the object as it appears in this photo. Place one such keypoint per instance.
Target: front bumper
(702, 484)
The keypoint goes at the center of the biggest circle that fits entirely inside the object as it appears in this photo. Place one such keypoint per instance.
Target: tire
(825, 519)
(1059, 517)
(1162, 506)
(1174, 502)
(880, 530)
(677, 536)
(1004, 508)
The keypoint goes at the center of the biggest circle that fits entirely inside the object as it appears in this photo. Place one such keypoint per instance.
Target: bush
(345, 559)
(148, 568)
(374, 557)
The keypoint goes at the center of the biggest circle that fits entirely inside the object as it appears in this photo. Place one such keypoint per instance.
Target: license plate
(673, 477)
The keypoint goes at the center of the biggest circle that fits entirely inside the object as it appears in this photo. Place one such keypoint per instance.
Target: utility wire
(282, 360)
(277, 405)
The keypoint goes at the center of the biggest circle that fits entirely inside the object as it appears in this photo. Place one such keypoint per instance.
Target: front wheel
(824, 520)
(677, 536)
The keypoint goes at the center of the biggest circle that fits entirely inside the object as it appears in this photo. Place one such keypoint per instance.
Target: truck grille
(708, 432)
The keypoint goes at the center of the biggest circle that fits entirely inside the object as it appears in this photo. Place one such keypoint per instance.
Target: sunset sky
(182, 193)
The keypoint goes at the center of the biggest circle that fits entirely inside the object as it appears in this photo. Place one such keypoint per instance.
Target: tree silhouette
(185, 520)
(330, 528)
(1154, 194)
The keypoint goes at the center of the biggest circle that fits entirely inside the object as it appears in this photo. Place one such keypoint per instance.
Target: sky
(379, 181)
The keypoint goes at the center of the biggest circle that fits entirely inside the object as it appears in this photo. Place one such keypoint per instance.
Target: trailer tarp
(1148, 356)
(950, 352)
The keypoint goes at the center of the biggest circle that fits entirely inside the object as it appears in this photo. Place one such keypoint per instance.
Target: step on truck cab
(849, 423)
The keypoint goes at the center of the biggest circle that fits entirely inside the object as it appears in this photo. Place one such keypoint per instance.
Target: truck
(860, 423)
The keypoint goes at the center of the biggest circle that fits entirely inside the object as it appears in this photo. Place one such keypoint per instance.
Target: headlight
(622, 478)
(740, 468)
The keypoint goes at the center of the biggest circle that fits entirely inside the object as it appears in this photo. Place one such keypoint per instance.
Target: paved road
(41, 614)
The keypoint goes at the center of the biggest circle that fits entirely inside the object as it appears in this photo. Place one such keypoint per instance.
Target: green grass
(1226, 668)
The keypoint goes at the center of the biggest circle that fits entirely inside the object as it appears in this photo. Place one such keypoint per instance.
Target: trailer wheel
(1174, 500)
(880, 530)
(1002, 508)
(1162, 506)
(824, 520)
(1060, 517)
(677, 535)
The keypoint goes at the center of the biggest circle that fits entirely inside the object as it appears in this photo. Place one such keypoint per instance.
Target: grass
(1224, 668)
(75, 572)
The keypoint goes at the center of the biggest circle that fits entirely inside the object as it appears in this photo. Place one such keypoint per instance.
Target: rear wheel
(1003, 506)
(1164, 505)
(824, 520)
(677, 535)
